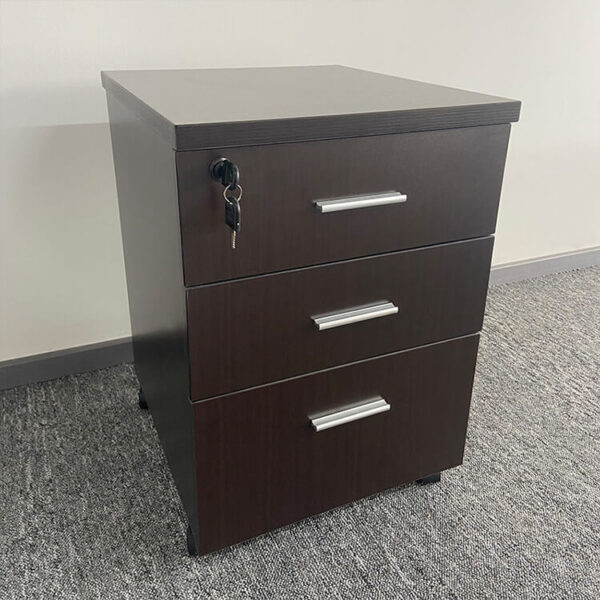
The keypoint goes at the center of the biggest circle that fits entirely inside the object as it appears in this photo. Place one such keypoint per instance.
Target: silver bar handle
(360, 201)
(355, 315)
(371, 407)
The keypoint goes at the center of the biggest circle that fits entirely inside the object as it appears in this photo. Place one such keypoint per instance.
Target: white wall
(62, 279)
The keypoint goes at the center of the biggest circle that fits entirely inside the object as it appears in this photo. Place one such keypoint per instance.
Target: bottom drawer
(261, 463)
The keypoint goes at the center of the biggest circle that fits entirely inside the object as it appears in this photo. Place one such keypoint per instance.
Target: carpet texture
(89, 509)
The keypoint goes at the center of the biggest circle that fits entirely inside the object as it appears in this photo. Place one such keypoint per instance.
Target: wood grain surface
(146, 183)
(452, 180)
(258, 330)
(211, 108)
(261, 465)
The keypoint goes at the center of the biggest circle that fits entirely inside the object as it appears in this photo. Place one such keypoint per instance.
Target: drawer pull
(361, 201)
(372, 407)
(355, 315)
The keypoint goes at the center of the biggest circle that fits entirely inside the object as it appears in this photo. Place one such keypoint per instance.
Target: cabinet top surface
(259, 103)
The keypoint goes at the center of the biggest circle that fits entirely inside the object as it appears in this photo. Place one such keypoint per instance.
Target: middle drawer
(262, 329)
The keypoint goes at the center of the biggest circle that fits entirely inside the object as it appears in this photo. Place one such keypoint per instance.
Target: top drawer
(451, 179)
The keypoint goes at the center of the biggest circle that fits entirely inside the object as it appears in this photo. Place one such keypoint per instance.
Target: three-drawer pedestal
(331, 353)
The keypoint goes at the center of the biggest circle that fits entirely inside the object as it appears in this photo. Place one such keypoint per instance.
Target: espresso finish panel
(252, 331)
(452, 180)
(331, 354)
(215, 108)
(146, 184)
(261, 464)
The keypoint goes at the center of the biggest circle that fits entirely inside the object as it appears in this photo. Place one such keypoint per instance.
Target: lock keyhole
(226, 172)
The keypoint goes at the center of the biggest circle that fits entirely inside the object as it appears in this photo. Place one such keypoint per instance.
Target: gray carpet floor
(89, 510)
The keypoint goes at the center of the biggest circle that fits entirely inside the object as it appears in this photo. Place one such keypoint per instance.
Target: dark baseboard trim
(545, 265)
(51, 365)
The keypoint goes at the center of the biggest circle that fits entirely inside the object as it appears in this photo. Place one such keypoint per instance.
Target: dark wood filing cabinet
(331, 354)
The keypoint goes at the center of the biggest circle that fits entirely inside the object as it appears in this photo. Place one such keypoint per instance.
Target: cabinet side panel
(147, 189)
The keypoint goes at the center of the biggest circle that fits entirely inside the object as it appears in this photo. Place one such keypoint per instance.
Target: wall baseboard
(545, 265)
(50, 365)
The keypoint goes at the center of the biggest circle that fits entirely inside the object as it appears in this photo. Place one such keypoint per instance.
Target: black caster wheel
(434, 478)
(142, 400)
(191, 544)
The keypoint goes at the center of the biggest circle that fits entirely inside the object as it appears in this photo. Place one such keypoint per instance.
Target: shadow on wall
(61, 243)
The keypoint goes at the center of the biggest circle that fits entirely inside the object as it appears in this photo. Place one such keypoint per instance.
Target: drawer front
(261, 463)
(451, 180)
(254, 331)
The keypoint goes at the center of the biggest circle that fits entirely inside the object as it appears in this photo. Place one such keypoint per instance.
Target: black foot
(191, 544)
(142, 400)
(434, 478)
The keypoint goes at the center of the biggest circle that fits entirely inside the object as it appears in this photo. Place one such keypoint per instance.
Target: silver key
(233, 211)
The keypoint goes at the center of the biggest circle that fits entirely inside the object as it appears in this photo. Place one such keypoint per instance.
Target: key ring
(233, 191)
